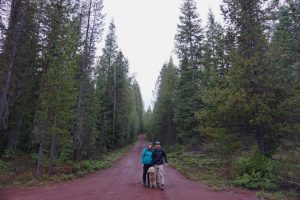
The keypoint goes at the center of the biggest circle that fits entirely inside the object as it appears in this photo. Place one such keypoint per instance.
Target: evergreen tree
(285, 59)
(136, 112)
(214, 52)
(18, 13)
(214, 89)
(49, 106)
(91, 25)
(147, 123)
(23, 82)
(189, 48)
(106, 87)
(163, 123)
(119, 102)
(121, 98)
(57, 94)
(251, 94)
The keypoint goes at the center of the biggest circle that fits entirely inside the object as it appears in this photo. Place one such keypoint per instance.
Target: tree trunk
(3, 98)
(191, 62)
(169, 135)
(194, 88)
(32, 132)
(123, 132)
(114, 111)
(80, 99)
(261, 139)
(52, 154)
(41, 149)
(15, 136)
(78, 125)
(53, 149)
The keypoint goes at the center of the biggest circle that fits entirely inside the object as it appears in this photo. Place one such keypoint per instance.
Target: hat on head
(157, 142)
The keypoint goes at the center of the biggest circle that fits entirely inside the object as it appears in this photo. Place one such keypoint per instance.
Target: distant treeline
(237, 84)
(59, 102)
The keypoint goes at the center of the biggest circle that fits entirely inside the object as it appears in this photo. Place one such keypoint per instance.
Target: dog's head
(151, 170)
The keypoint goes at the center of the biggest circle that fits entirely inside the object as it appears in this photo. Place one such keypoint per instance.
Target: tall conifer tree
(189, 48)
(251, 76)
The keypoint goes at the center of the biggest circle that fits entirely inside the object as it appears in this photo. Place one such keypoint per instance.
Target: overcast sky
(145, 31)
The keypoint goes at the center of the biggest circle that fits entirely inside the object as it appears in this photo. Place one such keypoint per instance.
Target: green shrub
(102, 164)
(256, 172)
(91, 165)
(263, 195)
(88, 165)
(76, 167)
(3, 164)
(67, 177)
(9, 153)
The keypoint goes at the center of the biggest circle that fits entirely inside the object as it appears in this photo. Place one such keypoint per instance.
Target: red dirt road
(123, 182)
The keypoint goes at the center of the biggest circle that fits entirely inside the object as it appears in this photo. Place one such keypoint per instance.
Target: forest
(59, 102)
(235, 95)
(230, 108)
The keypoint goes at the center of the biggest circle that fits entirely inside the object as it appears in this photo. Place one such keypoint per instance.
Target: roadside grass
(210, 169)
(197, 166)
(277, 195)
(70, 170)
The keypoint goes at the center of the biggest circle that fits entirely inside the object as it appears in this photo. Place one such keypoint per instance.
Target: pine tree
(286, 61)
(214, 60)
(147, 123)
(214, 89)
(136, 112)
(18, 13)
(49, 106)
(121, 98)
(189, 48)
(251, 91)
(57, 94)
(163, 123)
(106, 87)
(91, 24)
(22, 90)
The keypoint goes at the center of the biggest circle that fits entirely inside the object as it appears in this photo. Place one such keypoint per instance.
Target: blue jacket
(146, 157)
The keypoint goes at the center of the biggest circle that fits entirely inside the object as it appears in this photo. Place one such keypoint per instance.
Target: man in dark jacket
(159, 158)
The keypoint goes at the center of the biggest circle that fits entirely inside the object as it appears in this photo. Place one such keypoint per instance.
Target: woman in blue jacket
(146, 160)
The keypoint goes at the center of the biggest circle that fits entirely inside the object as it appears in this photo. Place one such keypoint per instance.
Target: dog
(151, 174)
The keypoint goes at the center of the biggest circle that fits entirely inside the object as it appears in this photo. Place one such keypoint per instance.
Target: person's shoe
(162, 187)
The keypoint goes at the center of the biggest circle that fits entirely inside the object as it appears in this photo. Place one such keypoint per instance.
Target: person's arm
(153, 158)
(142, 156)
(165, 156)
(152, 161)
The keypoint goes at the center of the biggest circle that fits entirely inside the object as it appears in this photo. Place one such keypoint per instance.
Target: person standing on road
(146, 160)
(159, 157)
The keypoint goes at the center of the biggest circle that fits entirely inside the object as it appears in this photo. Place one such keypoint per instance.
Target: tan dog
(152, 177)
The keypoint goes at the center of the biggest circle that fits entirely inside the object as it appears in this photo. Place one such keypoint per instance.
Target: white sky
(145, 32)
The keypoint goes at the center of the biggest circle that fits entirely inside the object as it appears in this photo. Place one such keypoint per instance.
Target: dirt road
(123, 182)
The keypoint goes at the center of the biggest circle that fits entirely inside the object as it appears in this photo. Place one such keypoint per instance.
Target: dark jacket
(158, 156)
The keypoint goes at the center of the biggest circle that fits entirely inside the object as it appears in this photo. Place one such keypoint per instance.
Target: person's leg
(161, 175)
(157, 175)
(147, 175)
(144, 174)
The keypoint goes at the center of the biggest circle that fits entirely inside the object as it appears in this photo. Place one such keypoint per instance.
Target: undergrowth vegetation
(273, 178)
(256, 172)
(19, 170)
